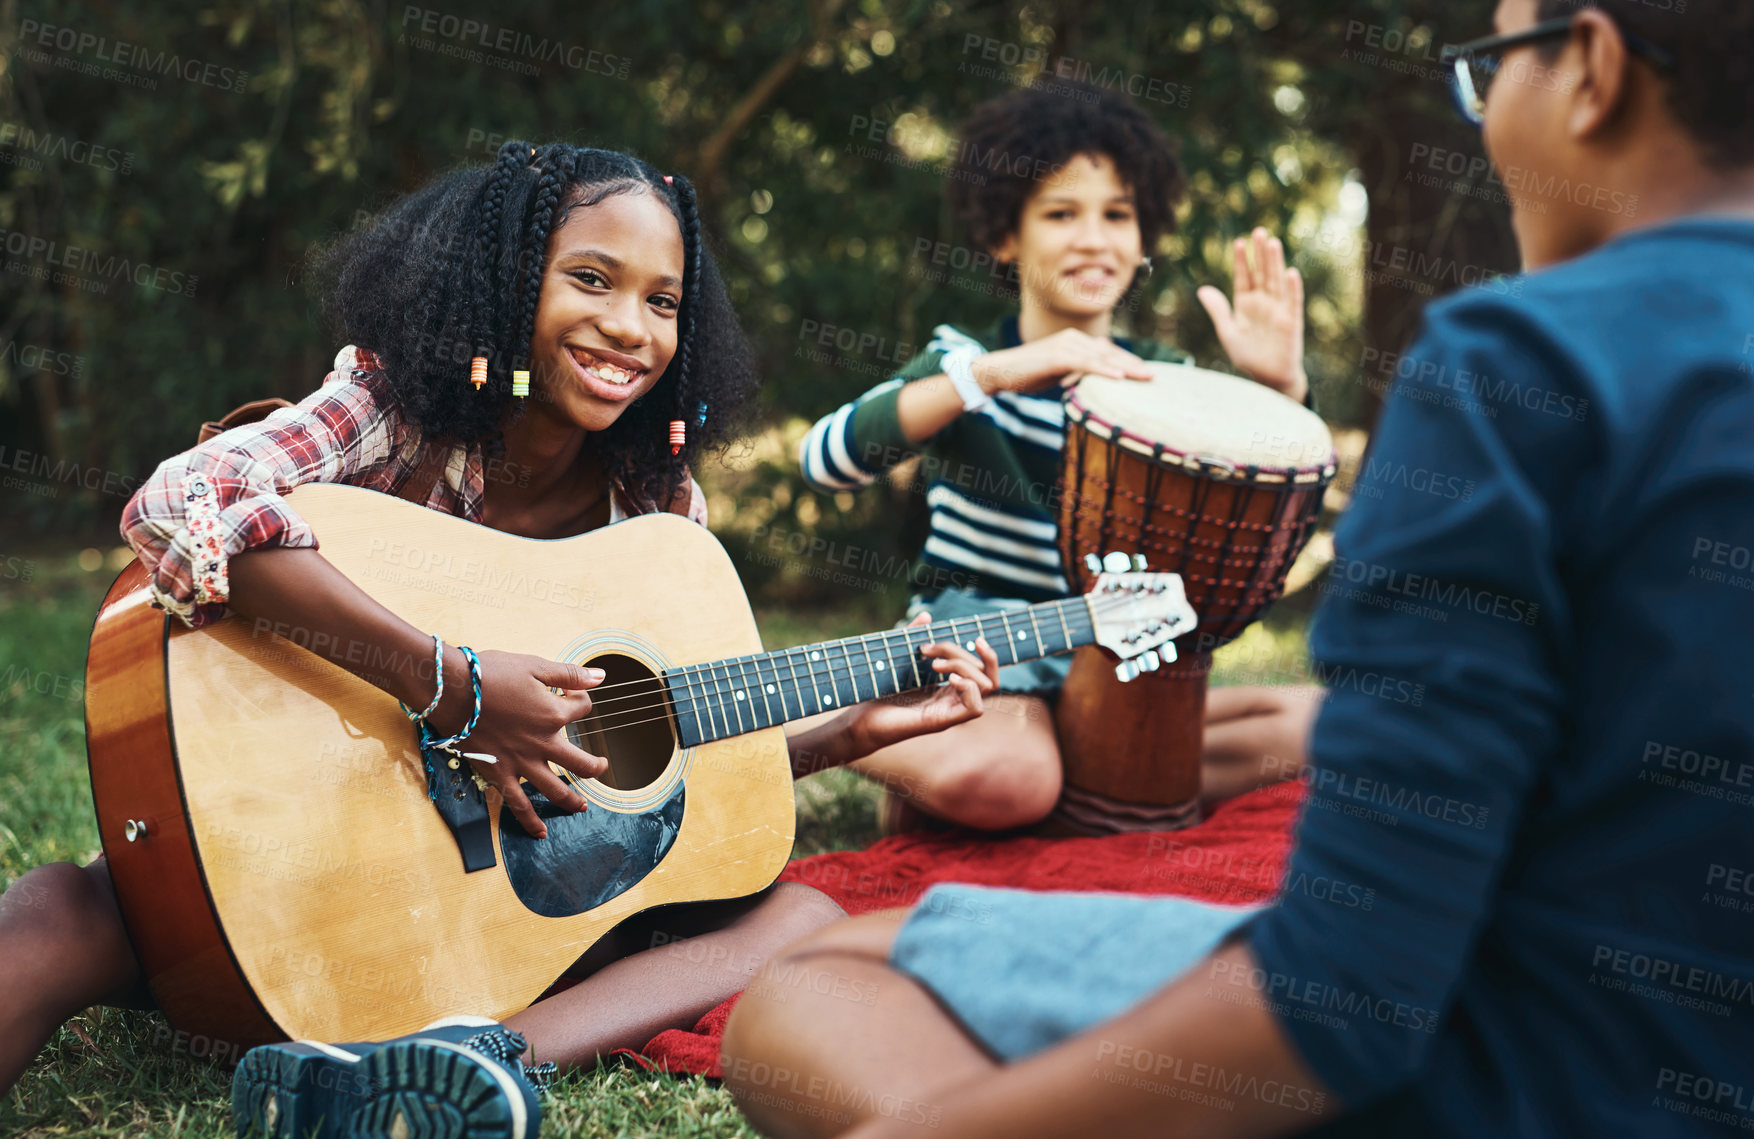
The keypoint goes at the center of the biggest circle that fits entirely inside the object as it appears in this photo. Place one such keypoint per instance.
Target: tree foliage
(167, 172)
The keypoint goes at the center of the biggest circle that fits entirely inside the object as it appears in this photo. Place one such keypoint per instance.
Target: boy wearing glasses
(1522, 907)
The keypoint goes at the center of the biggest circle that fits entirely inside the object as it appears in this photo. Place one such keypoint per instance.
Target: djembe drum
(1216, 478)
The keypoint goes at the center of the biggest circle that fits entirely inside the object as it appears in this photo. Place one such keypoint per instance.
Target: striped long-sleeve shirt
(989, 476)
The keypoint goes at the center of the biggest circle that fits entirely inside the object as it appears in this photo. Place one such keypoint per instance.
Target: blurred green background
(217, 143)
(166, 168)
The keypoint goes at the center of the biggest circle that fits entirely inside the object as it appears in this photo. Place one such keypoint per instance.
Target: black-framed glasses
(1475, 63)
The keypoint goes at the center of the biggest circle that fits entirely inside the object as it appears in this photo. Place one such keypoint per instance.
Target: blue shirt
(1534, 772)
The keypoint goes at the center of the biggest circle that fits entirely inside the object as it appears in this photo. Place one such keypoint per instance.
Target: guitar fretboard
(725, 698)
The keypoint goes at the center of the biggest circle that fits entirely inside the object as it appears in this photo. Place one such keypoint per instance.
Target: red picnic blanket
(1235, 856)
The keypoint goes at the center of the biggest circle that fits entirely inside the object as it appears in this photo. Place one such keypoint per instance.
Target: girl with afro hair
(584, 274)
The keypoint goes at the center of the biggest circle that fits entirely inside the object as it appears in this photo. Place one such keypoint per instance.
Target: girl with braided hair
(541, 347)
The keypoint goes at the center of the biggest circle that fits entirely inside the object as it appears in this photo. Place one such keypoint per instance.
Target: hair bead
(678, 436)
(478, 371)
(520, 383)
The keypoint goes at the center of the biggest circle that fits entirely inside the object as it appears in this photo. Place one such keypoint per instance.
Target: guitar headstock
(1137, 614)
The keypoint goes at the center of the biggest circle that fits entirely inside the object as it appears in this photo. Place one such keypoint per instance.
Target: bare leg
(1255, 735)
(65, 948)
(994, 773)
(675, 965)
(812, 1057)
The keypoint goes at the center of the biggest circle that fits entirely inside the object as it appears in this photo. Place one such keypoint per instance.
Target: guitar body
(292, 878)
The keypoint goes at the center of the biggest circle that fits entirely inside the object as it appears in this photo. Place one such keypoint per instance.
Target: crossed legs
(993, 773)
(666, 969)
(847, 1040)
(1003, 770)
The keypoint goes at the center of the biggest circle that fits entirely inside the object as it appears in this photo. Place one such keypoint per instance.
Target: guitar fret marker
(709, 698)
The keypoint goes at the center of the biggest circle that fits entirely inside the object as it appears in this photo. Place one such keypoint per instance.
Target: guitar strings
(852, 642)
(658, 685)
(848, 644)
(848, 667)
(728, 711)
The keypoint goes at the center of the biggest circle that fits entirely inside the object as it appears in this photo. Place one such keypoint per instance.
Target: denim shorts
(1023, 970)
(1040, 677)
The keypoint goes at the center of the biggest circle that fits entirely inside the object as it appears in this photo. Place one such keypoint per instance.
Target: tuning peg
(1150, 660)
(1126, 671)
(1166, 652)
(1138, 563)
(1116, 562)
(1092, 563)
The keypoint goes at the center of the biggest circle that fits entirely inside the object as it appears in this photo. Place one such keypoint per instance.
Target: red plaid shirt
(224, 496)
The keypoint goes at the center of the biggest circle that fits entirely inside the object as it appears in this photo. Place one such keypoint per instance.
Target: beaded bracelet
(426, 737)
(438, 668)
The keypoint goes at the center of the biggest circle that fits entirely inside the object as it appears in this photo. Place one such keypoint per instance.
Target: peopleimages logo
(1422, 587)
(22, 139)
(50, 37)
(516, 50)
(35, 358)
(94, 265)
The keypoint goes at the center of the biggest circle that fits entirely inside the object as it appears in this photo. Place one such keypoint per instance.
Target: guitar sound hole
(629, 723)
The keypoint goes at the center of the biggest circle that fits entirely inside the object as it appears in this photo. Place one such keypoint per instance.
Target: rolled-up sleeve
(1442, 644)
(202, 507)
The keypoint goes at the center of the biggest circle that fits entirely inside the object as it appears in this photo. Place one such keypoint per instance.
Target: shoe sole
(418, 1089)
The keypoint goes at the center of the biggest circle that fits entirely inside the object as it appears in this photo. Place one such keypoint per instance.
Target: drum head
(1195, 412)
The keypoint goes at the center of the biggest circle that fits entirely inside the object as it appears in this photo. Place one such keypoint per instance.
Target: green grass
(116, 1073)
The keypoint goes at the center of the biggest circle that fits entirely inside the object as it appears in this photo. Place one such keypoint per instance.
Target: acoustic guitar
(270, 823)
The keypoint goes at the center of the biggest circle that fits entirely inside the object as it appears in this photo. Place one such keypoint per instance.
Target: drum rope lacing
(1265, 562)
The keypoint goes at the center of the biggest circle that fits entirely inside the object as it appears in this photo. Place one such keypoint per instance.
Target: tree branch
(709, 162)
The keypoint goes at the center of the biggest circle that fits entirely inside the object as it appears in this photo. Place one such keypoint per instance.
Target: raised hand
(880, 723)
(1263, 333)
(523, 728)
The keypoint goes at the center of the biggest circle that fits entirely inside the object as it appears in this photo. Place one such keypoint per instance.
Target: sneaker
(454, 1078)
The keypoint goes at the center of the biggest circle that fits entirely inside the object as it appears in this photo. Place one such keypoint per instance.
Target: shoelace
(503, 1045)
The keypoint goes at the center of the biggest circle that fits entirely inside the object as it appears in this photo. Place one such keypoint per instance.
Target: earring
(1145, 264)
(678, 436)
(478, 371)
(520, 384)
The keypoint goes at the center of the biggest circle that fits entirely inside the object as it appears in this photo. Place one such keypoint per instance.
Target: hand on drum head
(1263, 334)
(1056, 359)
